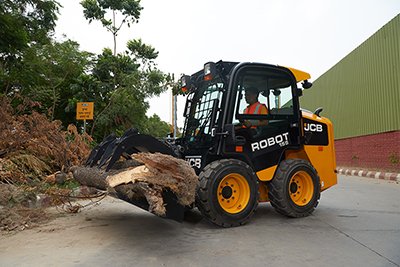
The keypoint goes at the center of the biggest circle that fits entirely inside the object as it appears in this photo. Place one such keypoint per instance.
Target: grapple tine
(117, 152)
(129, 132)
(101, 152)
(119, 148)
(92, 155)
(112, 148)
(112, 151)
(138, 143)
(108, 152)
(98, 151)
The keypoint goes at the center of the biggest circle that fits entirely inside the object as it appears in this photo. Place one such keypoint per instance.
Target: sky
(310, 35)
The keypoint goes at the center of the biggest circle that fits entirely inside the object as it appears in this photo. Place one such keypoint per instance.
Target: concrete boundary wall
(375, 152)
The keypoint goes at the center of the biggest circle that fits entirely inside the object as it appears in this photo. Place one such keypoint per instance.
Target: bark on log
(92, 177)
(95, 177)
(157, 173)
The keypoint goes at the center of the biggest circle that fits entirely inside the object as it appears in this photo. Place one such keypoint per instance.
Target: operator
(254, 107)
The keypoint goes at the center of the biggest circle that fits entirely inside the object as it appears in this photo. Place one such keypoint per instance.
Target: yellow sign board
(84, 110)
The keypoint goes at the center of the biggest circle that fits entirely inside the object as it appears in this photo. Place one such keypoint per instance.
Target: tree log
(92, 177)
(157, 173)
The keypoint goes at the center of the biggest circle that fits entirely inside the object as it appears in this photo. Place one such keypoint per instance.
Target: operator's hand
(247, 123)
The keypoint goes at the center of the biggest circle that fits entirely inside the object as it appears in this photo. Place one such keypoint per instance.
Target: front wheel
(228, 192)
(295, 189)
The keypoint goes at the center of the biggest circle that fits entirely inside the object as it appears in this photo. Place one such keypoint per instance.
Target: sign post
(84, 111)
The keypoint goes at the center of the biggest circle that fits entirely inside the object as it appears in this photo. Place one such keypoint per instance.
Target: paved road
(356, 224)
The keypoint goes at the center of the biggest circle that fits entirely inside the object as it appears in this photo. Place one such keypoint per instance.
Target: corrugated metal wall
(361, 93)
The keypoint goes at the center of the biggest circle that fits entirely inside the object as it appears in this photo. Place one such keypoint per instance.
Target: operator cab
(218, 122)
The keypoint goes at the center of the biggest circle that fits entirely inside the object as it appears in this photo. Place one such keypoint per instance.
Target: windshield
(201, 110)
(261, 91)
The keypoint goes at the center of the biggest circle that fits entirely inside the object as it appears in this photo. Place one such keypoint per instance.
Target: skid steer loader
(286, 160)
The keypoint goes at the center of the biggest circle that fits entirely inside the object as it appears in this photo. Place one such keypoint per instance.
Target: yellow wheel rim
(233, 193)
(301, 188)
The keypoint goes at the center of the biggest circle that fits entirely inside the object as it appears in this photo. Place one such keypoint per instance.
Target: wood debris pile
(32, 146)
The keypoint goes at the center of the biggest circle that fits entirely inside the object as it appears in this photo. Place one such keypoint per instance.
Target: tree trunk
(114, 32)
(157, 174)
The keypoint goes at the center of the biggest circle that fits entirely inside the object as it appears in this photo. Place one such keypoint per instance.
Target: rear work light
(209, 71)
(185, 83)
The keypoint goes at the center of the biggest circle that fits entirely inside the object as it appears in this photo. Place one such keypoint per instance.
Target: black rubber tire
(279, 195)
(206, 195)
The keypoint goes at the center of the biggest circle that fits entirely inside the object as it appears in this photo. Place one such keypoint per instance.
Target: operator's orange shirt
(256, 108)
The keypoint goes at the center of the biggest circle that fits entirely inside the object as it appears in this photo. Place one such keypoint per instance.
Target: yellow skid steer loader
(248, 141)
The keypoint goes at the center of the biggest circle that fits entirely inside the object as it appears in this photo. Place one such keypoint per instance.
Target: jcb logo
(311, 127)
(194, 161)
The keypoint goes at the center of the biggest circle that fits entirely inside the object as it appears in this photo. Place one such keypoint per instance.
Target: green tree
(156, 127)
(26, 21)
(99, 9)
(119, 85)
(23, 23)
(45, 74)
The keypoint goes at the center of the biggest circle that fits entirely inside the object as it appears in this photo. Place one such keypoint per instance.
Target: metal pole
(84, 126)
(175, 98)
(172, 113)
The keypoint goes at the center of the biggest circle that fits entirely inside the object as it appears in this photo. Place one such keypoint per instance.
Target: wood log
(157, 173)
(95, 177)
(92, 177)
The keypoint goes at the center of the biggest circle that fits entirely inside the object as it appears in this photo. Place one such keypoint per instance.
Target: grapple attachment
(101, 164)
(112, 148)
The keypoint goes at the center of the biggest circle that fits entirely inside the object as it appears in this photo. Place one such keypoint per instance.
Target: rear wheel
(295, 189)
(228, 192)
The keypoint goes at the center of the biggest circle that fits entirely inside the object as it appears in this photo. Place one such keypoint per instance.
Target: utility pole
(173, 114)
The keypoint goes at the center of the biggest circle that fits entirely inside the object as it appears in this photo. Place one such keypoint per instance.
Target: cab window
(263, 93)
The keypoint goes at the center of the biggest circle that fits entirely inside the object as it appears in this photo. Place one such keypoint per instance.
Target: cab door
(262, 145)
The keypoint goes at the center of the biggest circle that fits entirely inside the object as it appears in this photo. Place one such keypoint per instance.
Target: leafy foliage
(34, 146)
(140, 50)
(55, 75)
(119, 86)
(24, 22)
(98, 9)
(45, 74)
(156, 127)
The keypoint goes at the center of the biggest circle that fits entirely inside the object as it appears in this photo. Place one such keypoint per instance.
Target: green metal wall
(361, 93)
